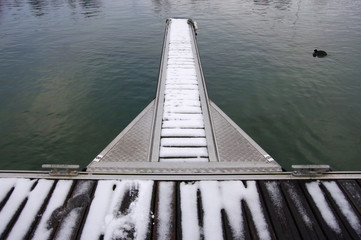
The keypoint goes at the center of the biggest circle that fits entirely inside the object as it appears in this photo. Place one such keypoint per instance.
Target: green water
(74, 73)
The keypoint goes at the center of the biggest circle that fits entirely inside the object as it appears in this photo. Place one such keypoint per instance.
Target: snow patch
(296, 200)
(6, 185)
(57, 200)
(316, 193)
(190, 226)
(28, 214)
(166, 191)
(344, 205)
(20, 193)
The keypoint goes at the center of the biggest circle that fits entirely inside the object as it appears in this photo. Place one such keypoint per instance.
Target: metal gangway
(182, 131)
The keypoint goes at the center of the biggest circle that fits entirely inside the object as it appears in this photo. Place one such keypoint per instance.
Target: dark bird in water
(319, 53)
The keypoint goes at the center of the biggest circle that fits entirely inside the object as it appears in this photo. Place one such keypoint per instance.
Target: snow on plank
(71, 214)
(17, 198)
(120, 210)
(28, 214)
(45, 228)
(165, 213)
(178, 142)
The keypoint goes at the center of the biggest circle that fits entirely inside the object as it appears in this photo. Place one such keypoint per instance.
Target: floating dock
(181, 170)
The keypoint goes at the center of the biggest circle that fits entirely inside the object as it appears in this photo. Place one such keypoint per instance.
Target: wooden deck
(149, 209)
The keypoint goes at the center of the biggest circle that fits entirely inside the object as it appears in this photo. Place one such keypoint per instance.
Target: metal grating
(234, 145)
(132, 144)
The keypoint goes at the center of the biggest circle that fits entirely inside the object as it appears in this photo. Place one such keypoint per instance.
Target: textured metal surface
(234, 145)
(184, 167)
(131, 145)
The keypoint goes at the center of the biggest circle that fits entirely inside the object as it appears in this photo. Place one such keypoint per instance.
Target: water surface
(74, 73)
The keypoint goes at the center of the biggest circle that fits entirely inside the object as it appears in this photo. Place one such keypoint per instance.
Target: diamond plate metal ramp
(182, 131)
(131, 145)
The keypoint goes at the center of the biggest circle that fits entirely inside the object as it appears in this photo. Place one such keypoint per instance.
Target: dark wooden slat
(309, 230)
(246, 227)
(347, 230)
(34, 225)
(353, 191)
(16, 215)
(280, 215)
(152, 222)
(330, 233)
(56, 216)
(266, 212)
(79, 201)
(156, 211)
(178, 228)
(86, 212)
(200, 211)
(13, 219)
(227, 232)
(6, 198)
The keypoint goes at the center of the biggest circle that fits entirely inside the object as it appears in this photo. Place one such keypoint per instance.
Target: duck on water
(319, 53)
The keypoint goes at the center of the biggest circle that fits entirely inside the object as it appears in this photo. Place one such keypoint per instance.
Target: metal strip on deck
(134, 209)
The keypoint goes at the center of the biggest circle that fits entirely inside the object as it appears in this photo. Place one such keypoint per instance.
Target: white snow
(199, 159)
(182, 132)
(68, 225)
(190, 226)
(182, 112)
(28, 214)
(5, 185)
(218, 195)
(100, 204)
(57, 200)
(183, 152)
(175, 103)
(69, 222)
(180, 116)
(182, 109)
(116, 224)
(183, 124)
(178, 142)
(231, 199)
(166, 191)
(20, 193)
(316, 193)
(275, 194)
(344, 205)
(212, 204)
(296, 200)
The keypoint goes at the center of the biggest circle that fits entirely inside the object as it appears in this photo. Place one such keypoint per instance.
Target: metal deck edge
(181, 177)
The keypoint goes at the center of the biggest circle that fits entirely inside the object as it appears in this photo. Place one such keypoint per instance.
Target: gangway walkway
(182, 131)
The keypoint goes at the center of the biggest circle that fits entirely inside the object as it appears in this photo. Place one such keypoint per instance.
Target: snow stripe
(344, 205)
(57, 200)
(6, 185)
(316, 193)
(28, 214)
(165, 210)
(20, 193)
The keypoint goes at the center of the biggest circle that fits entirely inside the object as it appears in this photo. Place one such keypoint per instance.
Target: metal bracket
(310, 170)
(61, 169)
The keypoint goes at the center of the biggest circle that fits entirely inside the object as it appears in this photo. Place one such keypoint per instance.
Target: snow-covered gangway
(182, 131)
